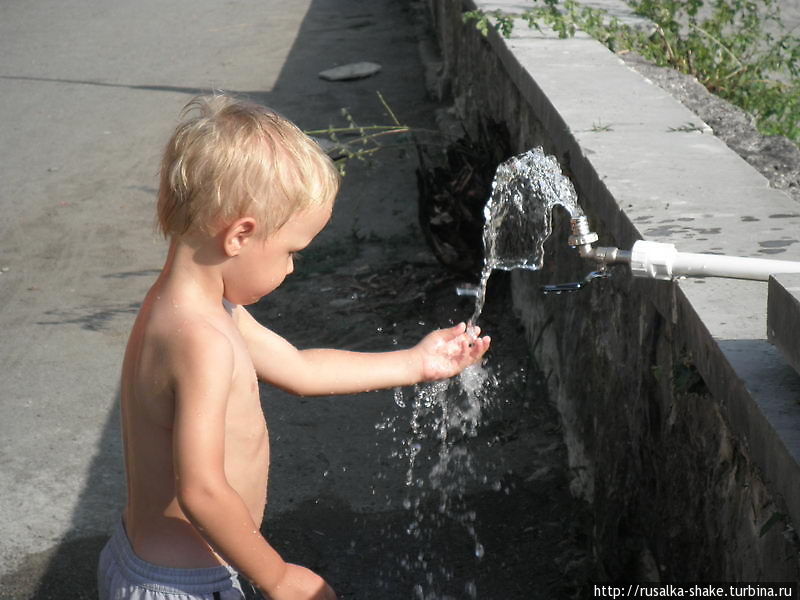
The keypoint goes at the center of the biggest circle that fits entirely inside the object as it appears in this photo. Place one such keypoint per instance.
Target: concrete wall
(682, 421)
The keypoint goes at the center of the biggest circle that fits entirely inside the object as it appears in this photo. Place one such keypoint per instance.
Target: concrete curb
(643, 172)
(783, 316)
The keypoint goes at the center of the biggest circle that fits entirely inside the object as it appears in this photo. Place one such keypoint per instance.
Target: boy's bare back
(170, 328)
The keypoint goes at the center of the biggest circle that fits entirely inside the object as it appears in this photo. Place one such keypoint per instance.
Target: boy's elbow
(311, 389)
(297, 387)
(197, 499)
(301, 391)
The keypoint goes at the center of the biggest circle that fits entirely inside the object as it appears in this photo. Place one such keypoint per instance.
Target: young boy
(241, 191)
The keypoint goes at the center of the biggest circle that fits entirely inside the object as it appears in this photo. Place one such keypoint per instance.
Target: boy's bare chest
(246, 438)
(245, 417)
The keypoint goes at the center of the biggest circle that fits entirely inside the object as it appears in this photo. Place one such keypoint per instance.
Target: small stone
(357, 70)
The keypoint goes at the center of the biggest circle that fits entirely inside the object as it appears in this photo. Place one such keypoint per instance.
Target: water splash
(518, 215)
(440, 468)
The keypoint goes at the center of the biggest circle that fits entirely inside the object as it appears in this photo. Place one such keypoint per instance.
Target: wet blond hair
(230, 158)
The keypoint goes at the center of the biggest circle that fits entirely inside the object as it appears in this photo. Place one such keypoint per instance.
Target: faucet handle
(557, 288)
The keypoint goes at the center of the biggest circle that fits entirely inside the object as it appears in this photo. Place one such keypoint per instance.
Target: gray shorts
(121, 575)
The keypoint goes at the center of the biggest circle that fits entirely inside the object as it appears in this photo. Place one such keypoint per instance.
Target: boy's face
(262, 265)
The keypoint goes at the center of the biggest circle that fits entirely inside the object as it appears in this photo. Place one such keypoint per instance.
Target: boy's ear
(238, 234)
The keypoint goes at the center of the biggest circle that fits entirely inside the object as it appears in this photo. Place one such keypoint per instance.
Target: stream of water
(439, 442)
(518, 215)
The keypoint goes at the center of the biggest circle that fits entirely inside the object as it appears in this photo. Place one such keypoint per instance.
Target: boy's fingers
(473, 335)
(457, 330)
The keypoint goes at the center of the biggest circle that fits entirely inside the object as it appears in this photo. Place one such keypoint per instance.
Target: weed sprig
(360, 142)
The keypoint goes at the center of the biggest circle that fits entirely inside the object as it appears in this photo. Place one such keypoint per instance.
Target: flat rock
(357, 70)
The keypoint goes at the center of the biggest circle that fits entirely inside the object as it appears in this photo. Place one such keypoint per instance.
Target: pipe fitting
(582, 238)
(581, 234)
(607, 255)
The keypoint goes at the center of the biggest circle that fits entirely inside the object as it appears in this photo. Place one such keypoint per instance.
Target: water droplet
(479, 550)
(467, 289)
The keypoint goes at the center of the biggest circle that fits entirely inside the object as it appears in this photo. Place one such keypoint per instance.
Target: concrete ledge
(783, 316)
(642, 173)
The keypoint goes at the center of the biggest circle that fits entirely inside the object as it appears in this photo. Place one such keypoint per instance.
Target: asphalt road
(89, 93)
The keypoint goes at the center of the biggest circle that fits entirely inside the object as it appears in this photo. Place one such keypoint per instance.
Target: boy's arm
(204, 371)
(441, 354)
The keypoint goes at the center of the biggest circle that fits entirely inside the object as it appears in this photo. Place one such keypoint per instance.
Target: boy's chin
(243, 301)
(246, 299)
(255, 299)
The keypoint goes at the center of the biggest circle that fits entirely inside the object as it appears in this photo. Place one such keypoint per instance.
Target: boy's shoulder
(189, 337)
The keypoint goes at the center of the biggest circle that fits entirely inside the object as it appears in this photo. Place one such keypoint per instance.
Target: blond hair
(228, 159)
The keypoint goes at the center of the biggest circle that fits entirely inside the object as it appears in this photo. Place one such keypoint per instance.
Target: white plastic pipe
(663, 261)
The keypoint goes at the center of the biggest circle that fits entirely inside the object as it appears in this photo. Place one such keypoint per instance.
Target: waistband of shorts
(167, 579)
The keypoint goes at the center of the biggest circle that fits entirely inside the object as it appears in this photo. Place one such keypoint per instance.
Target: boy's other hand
(447, 352)
(299, 583)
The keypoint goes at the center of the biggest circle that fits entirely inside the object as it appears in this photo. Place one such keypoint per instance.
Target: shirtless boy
(241, 191)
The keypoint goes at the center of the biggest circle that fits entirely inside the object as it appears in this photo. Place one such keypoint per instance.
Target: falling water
(445, 416)
(437, 444)
(518, 215)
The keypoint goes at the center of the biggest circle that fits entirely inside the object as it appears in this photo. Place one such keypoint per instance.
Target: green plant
(730, 46)
(502, 22)
(600, 127)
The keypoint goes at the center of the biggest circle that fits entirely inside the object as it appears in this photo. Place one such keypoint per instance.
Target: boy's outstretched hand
(446, 352)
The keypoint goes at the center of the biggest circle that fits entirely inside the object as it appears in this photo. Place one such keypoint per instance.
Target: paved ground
(88, 94)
